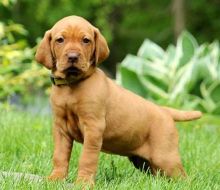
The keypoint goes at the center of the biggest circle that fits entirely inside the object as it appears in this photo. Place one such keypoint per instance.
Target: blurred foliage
(125, 23)
(19, 74)
(186, 75)
(177, 76)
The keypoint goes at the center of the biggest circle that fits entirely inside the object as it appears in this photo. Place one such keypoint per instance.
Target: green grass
(26, 146)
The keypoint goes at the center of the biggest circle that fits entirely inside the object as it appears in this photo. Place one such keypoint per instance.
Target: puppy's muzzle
(73, 59)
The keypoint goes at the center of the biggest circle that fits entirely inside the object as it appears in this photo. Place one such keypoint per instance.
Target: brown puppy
(91, 109)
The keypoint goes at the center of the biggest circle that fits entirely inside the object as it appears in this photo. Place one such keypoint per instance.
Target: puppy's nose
(73, 57)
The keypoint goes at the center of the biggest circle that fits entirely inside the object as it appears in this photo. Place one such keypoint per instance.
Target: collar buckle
(52, 80)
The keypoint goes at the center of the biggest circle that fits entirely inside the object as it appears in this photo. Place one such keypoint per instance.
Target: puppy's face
(72, 47)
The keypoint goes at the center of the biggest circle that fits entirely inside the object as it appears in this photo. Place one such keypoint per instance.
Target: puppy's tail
(182, 115)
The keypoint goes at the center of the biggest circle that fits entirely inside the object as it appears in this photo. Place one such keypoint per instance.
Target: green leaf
(152, 88)
(184, 80)
(188, 46)
(217, 109)
(133, 63)
(150, 50)
(169, 55)
(128, 79)
(214, 91)
(185, 50)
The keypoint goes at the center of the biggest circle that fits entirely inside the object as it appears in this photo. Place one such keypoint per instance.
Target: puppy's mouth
(73, 71)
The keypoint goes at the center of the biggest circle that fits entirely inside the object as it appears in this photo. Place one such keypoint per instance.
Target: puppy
(91, 109)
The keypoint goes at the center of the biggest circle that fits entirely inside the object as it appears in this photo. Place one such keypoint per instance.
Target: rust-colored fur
(100, 114)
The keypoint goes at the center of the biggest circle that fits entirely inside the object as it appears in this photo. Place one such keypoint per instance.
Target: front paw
(85, 182)
(57, 175)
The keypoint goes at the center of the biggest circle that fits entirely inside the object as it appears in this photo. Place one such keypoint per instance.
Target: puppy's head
(72, 47)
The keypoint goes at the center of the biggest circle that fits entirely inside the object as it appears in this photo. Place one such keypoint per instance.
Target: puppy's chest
(66, 108)
(73, 126)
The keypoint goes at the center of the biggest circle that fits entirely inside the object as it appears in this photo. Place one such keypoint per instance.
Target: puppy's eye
(86, 40)
(60, 40)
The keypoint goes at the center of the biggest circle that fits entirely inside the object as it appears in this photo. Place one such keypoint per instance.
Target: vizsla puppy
(90, 108)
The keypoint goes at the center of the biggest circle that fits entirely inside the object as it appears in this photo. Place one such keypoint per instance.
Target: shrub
(186, 75)
(19, 74)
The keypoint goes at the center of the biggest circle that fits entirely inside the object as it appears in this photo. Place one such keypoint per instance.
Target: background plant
(186, 75)
(125, 23)
(19, 73)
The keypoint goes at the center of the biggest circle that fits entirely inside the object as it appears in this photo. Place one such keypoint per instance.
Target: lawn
(26, 146)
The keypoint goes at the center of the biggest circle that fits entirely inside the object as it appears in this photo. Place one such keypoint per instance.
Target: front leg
(93, 136)
(62, 151)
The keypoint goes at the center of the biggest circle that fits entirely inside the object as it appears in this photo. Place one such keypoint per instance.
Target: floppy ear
(101, 47)
(44, 54)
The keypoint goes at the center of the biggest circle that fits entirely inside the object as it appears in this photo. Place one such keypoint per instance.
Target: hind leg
(164, 151)
(160, 151)
(170, 165)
